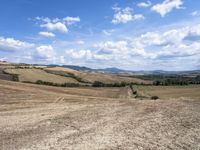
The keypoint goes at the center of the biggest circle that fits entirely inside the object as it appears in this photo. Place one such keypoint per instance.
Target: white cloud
(170, 44)
(195, 13)
(55, 27)
(111, 47)
(79, 54)
(125, 15)
(145, 50)
(45, 52)
(108, 32)
(167, 6)
(57, 24)
(10, 44)
(80, 42)
(47, 34)
(144, 4)
(195, 30)
(71, 20)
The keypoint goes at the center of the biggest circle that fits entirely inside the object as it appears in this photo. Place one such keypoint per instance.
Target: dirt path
(48, 121)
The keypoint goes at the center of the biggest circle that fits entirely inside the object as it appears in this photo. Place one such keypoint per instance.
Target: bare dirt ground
(36, 117)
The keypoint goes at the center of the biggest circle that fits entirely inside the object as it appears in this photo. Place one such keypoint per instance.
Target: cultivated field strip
(167, 92)
(33, 75)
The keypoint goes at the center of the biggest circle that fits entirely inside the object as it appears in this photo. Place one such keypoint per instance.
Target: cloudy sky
(129, 34)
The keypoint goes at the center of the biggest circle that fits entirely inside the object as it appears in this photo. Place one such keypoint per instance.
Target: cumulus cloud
(170, 43)
(47, 34)
(79, 54)
(71, 20)
(45, 52)
(56, 24)
(125, 15)
(150, 46)
(111, 47)
(144, 4)
(195, 13)
(10, 45)
(167, 6)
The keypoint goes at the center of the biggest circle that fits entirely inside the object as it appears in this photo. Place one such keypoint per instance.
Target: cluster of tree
(27, 67)
(76, 77)
(56, 84)
(101, 84)
(134, 91)
(168, 82)
(154, 97)
(171, 79)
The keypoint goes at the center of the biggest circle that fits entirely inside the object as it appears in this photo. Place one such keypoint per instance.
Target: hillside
(33, 75)
(91, 77)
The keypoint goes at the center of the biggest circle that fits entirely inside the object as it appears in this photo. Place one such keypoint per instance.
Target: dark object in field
(4, 76)
(154, 97)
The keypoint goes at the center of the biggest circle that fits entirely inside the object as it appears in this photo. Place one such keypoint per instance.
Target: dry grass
(33, 75)
(166, 92)
(66, 70)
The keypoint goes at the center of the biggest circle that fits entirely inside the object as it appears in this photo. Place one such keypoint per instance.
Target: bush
(98, 84)
(135, 92)
(154, 97)
(56, 84)
(101, 84)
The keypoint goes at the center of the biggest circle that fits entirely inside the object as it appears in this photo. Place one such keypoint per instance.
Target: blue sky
(131, 34)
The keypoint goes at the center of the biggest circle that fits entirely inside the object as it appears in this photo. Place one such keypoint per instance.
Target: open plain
(37, 117)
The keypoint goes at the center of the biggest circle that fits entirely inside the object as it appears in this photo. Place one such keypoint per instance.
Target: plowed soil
(34, 117)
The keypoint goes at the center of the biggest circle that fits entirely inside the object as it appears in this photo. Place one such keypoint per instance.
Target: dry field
(91, 77)
(4, 63)
(166, 92)
(109, 78)
(61, 69)
(35, 117)
(33, 75)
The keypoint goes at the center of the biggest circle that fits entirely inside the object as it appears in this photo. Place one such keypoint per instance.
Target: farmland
(33, 75)
(91, 77)
(43, 117)
(85, 117)
(167, 92)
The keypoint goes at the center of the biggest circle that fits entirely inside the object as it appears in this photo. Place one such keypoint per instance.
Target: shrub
(154, 97)
(98, 84)
(56, 84)
(134, 92)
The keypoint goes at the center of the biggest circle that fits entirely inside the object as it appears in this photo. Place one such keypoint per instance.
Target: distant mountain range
(115, 70)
